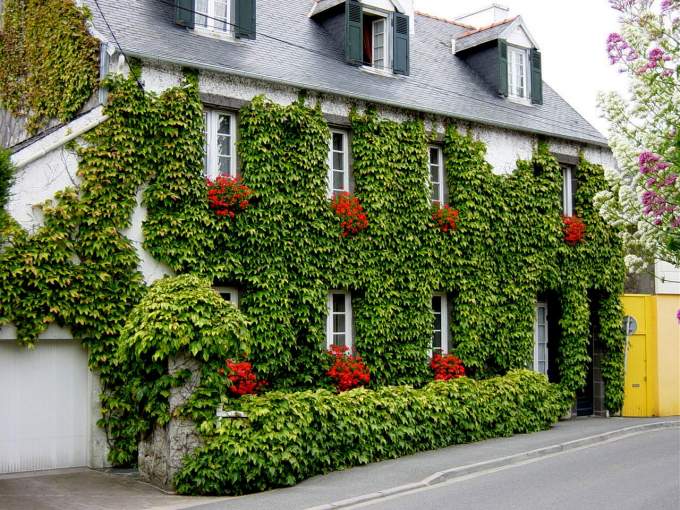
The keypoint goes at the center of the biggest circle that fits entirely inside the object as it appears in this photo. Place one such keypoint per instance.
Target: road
(637, 472)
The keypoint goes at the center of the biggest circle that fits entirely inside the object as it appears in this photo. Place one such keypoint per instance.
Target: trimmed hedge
(289, 437)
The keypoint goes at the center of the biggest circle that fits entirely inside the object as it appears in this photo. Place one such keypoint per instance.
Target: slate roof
(473, 38)
(295, 50)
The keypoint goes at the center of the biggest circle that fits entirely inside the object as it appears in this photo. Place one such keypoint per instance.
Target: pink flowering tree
(644, 131)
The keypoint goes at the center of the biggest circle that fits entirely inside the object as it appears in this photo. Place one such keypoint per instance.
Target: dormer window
(212, 15)
(218, 17)
(518, 75)
(376, 39)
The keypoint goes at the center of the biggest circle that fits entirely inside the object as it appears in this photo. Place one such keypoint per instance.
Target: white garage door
(43, 406)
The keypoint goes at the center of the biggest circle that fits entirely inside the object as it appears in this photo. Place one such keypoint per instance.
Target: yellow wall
(652, 384)
(668, 347)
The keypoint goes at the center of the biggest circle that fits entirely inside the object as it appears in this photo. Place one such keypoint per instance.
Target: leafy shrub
(447, 367)
(243, 379)
(177, 315)
(347, 371)
(291, 436)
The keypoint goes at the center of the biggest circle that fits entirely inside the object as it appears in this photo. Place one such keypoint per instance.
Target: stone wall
(161, 454)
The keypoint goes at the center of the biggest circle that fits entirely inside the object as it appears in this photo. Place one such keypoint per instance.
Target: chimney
(486, 16)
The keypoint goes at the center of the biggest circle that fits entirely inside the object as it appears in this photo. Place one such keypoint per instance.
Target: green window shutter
(502, 67)
(401, 44)
(354, 34)
(245, 19)
(536, 77)
(184, 12)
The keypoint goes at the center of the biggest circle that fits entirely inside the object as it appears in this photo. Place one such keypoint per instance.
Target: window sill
(215, 34)
(387, 73)
(520, 100)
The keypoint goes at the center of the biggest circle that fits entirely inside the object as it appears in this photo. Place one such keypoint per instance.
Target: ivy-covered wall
(286, 251)
(49, 63)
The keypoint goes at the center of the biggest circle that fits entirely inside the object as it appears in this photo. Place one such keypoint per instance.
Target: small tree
(645, 196)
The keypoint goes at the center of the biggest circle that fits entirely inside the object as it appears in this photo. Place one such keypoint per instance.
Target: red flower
(243, 379)
(447, 367)
(227, 195)
(574, 229)
(354, 220)
(445, 218)
(347, 371)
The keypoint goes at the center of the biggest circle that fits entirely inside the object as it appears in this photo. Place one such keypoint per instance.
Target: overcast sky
(572, 37)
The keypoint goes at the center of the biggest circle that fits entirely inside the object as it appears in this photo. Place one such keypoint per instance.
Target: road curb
(460, 471)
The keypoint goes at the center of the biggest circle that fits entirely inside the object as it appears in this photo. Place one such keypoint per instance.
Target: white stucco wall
(667, 279)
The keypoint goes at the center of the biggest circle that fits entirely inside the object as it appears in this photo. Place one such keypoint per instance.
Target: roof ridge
(446, 20)
(487, 27)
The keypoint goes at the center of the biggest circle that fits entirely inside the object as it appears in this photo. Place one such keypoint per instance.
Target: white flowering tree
(644, 134)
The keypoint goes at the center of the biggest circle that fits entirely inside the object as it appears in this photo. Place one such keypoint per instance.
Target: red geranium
(243, 379)
(445, 218)
(227, 195)
(354, 219)
(347, 371)
(447, 367)
(574, 229)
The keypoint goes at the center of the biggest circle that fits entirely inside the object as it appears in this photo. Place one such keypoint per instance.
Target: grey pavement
(89, 489)
(636, 472)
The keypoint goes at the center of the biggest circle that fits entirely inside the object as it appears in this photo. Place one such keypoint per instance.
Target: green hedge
(291, 436)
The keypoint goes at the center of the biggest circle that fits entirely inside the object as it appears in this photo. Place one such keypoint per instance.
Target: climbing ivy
(287, 250)
(49, 63)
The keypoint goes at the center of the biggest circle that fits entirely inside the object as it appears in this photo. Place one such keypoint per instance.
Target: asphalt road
(637, 472)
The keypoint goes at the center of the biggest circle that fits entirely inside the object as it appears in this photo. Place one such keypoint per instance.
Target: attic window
(518, 72)
(376, 41)
(212, 15)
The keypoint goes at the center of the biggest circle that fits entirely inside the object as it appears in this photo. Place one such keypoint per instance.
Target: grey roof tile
(293, 49)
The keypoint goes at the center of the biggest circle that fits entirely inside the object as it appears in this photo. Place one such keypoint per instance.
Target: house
(480, 74)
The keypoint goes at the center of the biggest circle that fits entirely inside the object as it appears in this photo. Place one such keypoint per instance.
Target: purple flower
(670, 180)
(677, 315)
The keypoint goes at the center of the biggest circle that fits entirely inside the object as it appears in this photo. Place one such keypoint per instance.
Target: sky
(572, 37)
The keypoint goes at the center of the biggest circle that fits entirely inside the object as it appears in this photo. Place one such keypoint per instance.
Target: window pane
(225, 125)
(201, 10)
(339, 339)
(540, 315)
(338, 303)
(434, 174)
(437, 340)
(437, 322)
(221, 13)
(338, 161)
(224, 145)
(337, 142)
(226, 296)
(339, 181)
(339, 323)
(434, 156)
(437, 304)
(224, 165)
(541, 367)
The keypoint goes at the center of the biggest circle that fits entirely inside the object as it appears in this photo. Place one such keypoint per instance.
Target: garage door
(43, 406)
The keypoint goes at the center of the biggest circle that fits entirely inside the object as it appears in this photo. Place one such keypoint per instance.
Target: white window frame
(345, 163)
(440, 174)
(232, 291)
(544, 305)
(387, 54)
(567, 191)
(522, 56)
(445, 324)
(211, 22)
(349, 333)
(211, 158)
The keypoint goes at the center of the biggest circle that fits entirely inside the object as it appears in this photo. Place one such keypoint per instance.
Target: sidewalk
(86, 489)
